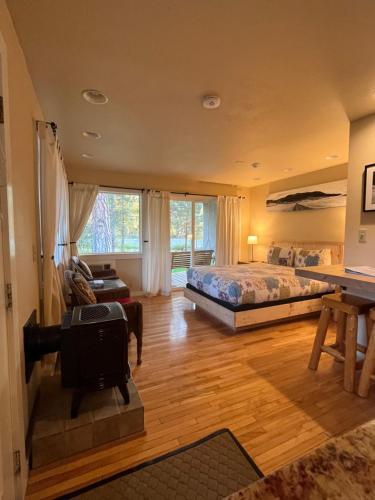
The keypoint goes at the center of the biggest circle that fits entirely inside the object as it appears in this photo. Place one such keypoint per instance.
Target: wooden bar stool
(368, 369)
(348, 308)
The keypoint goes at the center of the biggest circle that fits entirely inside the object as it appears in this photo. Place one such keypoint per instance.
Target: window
(181, 225)
(114, 224)
(193, 225)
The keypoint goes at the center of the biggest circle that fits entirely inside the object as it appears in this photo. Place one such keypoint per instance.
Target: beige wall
(361, 153)
(130, 269)
(314, 225)
(21, 108)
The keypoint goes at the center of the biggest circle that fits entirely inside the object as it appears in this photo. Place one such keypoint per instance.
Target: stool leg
(368, 367)
(350, 352)
(340, 332)
(320, 337)
(369, 325)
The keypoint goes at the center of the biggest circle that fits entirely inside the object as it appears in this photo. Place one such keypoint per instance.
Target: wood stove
(94, 349)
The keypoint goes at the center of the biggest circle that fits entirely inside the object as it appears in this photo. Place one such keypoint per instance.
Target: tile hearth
(103, 417)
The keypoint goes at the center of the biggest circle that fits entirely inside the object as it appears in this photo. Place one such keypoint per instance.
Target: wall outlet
(362, 235)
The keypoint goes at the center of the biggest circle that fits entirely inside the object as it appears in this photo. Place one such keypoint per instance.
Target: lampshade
(252, 240)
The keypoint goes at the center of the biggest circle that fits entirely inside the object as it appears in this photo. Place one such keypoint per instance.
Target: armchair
(80, 266)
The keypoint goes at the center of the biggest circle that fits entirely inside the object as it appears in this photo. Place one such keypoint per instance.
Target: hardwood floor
(197, 376)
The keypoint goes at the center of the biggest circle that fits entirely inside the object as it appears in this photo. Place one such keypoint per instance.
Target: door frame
(193, 199)
(7, 478)
(10, 343)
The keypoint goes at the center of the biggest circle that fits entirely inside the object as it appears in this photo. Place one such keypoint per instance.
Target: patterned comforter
(253, 283)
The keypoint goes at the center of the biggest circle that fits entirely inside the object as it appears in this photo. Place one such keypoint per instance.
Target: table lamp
(252, 240)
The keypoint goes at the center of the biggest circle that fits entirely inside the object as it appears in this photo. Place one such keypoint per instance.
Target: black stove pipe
(39, 341)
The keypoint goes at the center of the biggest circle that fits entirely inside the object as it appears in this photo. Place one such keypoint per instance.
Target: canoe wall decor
(328, 195)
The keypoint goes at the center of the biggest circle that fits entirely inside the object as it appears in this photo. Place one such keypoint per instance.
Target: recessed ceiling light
(94, 96)
(87, 155)
(239, 161)
(288, 169)
(332, 157)
(91, 135)
(256, 164)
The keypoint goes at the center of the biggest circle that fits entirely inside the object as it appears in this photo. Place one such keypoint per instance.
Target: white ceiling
(289, 73)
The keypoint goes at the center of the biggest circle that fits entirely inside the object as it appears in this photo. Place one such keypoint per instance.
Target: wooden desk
(363, 286)
(355, 284)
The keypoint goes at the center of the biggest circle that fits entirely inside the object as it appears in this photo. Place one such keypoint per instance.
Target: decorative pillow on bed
(306, 258)
(280, 256)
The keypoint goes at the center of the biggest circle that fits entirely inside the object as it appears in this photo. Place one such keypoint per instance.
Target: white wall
(361, 153)
(129, 268)
(310, 225)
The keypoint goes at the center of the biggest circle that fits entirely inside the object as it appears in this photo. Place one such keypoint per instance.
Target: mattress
(253, 283)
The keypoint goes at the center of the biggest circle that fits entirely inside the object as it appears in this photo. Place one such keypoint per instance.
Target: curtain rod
(158, 191)
(53, 125)
(199, 194)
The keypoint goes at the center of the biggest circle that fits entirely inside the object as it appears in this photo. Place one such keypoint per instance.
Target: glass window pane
(205, 225)
(198, 226)
(113, 226)
(181, 225)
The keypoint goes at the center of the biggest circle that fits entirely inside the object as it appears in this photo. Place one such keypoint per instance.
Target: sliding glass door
(193, 234)
(181, 225)
(204, 225)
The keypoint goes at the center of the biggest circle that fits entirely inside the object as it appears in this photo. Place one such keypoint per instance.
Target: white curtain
(81, 201)
(156, 264)
(50, 165)
(62, 249)
(228, 230)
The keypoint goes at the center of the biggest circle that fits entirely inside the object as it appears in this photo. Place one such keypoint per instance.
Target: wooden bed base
(254, 317)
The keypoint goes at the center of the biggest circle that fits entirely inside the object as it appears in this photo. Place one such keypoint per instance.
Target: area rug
(211, 468)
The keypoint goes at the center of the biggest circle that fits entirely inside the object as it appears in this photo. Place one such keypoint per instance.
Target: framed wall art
(369, 189)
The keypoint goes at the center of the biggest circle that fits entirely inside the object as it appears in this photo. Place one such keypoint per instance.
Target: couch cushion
(85, 270)
(82, 289)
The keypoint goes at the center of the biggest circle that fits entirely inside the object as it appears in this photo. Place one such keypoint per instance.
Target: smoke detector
(211, 101)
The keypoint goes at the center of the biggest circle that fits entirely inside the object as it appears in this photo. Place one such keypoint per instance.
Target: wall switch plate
(362, 235)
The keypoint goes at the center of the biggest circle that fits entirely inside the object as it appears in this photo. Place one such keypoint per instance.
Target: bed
(247, 295)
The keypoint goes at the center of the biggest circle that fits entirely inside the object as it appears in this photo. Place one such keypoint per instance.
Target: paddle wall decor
(327, 195)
